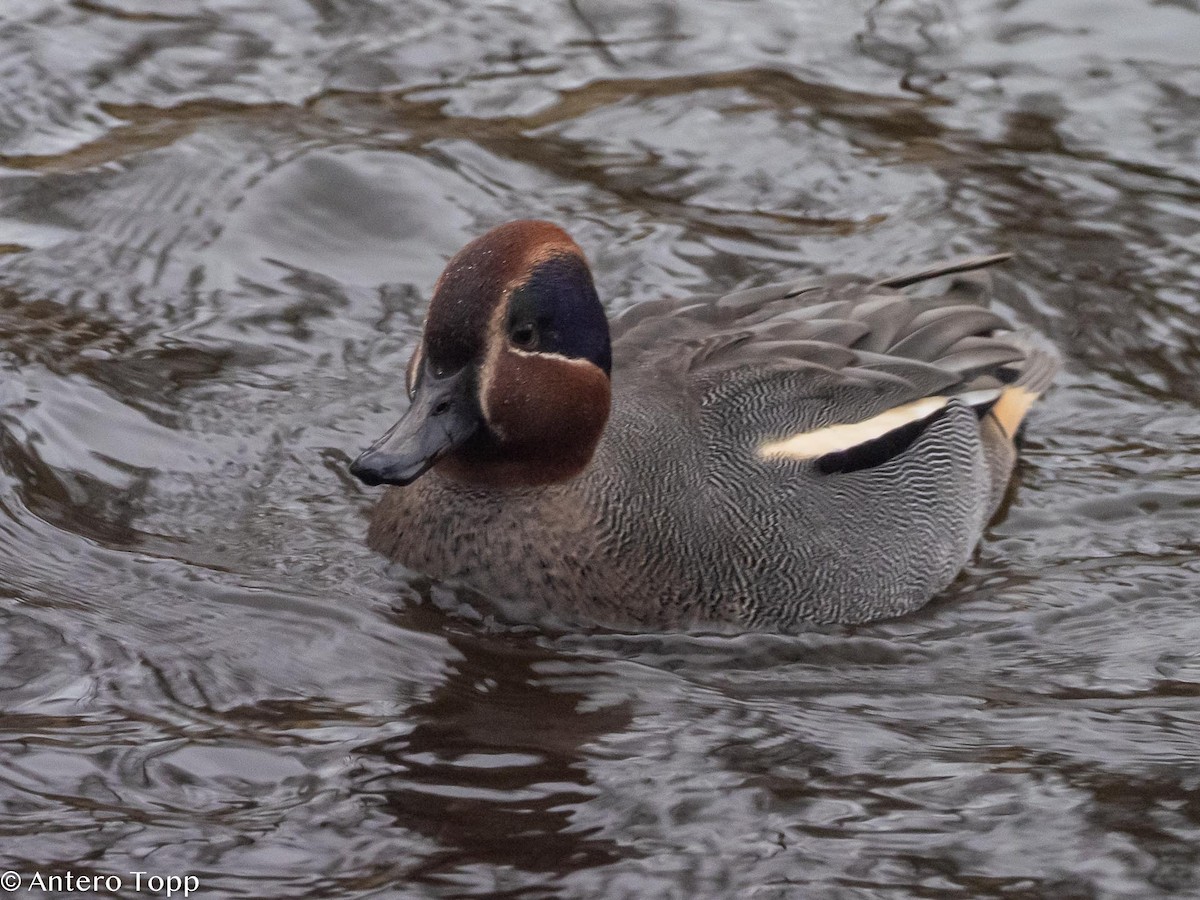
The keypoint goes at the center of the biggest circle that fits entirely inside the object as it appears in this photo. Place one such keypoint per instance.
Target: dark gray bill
(442, 416)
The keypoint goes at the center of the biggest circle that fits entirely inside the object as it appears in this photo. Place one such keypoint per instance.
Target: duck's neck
(486, 461)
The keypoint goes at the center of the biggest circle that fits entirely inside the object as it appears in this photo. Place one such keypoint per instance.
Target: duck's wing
(843, 362)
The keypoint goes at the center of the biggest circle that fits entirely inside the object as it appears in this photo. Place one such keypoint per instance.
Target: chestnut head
(510, 382)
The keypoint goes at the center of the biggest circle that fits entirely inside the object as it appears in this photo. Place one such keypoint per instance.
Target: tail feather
(958, 266)
(1034, 375)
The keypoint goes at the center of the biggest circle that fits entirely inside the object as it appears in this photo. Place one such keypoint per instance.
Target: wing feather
(863, 345)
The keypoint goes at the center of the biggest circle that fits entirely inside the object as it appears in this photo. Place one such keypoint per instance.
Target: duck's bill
(442, 417)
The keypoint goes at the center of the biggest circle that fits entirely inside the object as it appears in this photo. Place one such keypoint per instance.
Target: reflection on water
(219, 224)
(493, 767)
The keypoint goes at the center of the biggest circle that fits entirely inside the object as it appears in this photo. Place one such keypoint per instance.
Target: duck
(818, 451)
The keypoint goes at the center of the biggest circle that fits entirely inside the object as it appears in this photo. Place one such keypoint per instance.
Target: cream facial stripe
(414, 368)
(546, 354)
(487, 373)
(834, 438)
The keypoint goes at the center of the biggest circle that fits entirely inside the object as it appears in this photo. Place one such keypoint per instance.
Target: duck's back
(809, 452)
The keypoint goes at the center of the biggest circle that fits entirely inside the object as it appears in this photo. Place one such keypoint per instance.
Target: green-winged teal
(823, 450)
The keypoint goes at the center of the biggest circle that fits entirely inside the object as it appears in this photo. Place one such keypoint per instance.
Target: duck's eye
(524, 336)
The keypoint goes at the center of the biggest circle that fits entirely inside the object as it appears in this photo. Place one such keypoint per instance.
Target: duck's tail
(1030, 377)
(1033, 377)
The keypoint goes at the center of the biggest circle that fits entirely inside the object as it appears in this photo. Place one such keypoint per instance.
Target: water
(219, 224)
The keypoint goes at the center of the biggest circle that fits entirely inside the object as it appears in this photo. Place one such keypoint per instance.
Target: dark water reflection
(219, 223)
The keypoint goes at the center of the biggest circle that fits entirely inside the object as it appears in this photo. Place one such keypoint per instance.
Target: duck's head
(510, 382)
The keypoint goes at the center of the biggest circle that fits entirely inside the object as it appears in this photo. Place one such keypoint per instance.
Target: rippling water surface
(219, 223)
